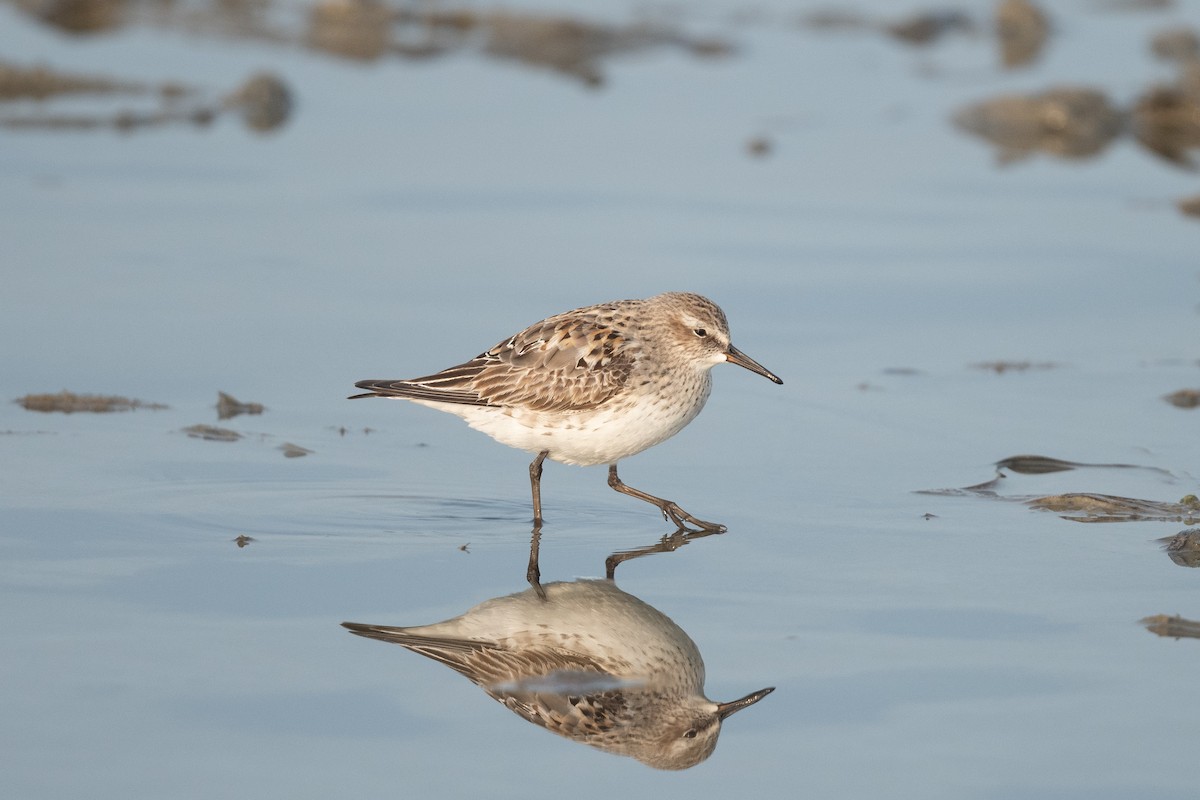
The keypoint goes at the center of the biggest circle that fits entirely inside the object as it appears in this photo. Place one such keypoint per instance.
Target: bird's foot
(674, 513)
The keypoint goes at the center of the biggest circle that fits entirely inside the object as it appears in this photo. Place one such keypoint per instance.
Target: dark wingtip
(367, 394)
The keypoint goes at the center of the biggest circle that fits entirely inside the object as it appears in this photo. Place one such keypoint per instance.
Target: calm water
(411, 212)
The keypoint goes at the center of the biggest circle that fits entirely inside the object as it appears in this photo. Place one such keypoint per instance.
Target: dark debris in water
(229, 406)
(1184, 398)
(1035, 465)
(1069, 121)
(70, 403)
(342, 430)
(927, 27)
(354, 29)
(1133, 5)
(1081, 121)
(1001, 367)
(40, 82)
(263, 101)
(1179, 44)
(1022, 29)
(1065, 121)
(831, 19)
(1040, 465)
(575, 47)
(921, 28)
(212, 433)
(1184, 547)
(1080, 506)
(1166, 121)
(366, 30)
(371, 30)
(1088, 507)
(759, 146)
(1173, 627)
(294, 450)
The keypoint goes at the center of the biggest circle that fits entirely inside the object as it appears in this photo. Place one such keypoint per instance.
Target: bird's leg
(533, 573)
(668, 544)
(535, 482)
(669, 510)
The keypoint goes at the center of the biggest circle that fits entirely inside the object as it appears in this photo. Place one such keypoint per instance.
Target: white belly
(602, 436)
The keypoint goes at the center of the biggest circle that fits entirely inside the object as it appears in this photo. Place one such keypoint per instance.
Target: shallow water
(410, 213)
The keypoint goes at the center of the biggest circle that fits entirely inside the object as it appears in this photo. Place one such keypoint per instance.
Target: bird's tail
(406, 637)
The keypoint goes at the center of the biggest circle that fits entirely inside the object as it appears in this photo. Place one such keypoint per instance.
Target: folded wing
(570, 362)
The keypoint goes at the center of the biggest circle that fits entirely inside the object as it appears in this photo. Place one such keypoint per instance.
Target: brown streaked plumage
(571, 362)
(589, 386)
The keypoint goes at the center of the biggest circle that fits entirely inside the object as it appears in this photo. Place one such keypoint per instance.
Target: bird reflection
(587, 661)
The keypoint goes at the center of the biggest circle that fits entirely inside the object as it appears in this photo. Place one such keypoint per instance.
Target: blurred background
(959, 232)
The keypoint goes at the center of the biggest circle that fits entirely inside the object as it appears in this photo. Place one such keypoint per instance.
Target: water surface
(409, 213)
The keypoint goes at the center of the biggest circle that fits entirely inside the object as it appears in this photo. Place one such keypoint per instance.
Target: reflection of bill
(589, 662)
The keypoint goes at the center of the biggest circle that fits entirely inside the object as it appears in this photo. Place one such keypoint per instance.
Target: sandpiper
(590, 386)
(588, 662)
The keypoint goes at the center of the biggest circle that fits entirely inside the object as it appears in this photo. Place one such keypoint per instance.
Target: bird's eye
(700, 332)
(690, 733)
